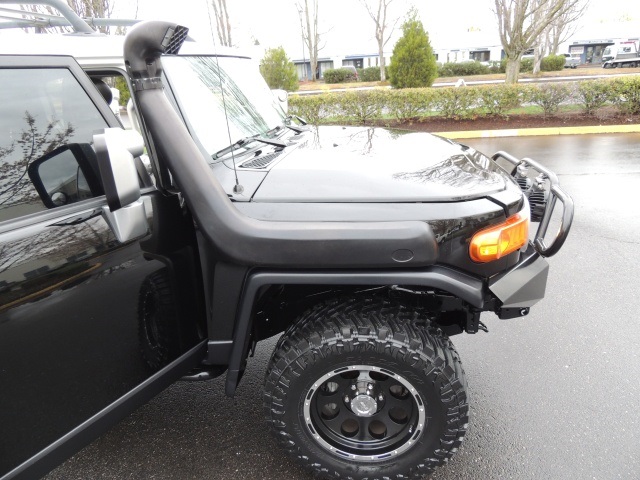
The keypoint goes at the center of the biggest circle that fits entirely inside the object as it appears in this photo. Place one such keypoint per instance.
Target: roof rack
(17, 18)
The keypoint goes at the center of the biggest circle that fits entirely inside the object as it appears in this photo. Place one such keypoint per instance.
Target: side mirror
(282, 97)
(115, 149)
(66, 175)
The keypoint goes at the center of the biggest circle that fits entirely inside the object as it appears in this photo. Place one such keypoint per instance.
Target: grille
(261, 162)
(176, 40)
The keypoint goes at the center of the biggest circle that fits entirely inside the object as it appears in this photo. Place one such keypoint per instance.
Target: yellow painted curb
(530, 132)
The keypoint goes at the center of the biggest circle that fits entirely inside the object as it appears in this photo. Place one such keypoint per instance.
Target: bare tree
(379, 17)
(93, 8)
(561, 29)
(84, 8)
(558, 31)
(308, 12)
(522, 22)
(222, 22)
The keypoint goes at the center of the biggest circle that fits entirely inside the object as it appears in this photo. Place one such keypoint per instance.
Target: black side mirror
(66, 175)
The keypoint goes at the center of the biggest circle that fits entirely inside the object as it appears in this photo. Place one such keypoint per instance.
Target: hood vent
(261, 162)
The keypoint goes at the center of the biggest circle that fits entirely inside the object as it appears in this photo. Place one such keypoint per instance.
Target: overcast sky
(347, 28)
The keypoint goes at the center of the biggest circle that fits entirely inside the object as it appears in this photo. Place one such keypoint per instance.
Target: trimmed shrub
(339, 75)
(626, 94)
(462, 69)
(312, 108)
(370, 74)
(359, 106)
(552, 63)
(592, 94)
(464, 102)
(456, 103)
(496, 100)
(410, 103)
(495, 67)
(526, 65)
(549, 96)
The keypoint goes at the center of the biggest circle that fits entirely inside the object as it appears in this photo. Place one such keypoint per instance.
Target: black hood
(358, 164)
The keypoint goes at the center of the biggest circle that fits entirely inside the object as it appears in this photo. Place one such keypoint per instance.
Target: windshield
(200, 83)
(607, 51)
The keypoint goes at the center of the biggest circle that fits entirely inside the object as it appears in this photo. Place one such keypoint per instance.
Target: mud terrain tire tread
(372, 325)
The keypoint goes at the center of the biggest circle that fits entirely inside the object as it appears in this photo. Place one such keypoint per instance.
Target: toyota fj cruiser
(368, 248)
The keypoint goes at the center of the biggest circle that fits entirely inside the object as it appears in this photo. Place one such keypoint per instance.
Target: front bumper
(549, 178)
(524, 285)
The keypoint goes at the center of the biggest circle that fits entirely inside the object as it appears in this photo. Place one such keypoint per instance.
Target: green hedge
(358, 105)
(592, 94)
(456, 103)
(625, 94)
(496, 100)
(549, 96)
(462, 69)
(552, 63)
(369, 74)
(410, 103)
(465, 102)
(338, 75)
(313, 108)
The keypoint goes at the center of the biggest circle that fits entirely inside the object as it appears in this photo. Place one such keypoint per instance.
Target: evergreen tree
(413, 63)
(278, 71)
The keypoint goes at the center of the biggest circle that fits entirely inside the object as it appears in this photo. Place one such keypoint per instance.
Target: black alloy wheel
(366, 388)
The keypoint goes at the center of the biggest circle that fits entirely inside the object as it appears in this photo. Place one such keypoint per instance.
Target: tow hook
(474, 324)
(508, 313)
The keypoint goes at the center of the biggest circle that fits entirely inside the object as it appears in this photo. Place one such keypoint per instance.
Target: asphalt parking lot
(553, 395)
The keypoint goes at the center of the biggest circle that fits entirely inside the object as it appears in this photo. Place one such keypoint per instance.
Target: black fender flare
(468, 288)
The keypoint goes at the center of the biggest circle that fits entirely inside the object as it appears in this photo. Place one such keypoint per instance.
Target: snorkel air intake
(145, 44)
(238, 238)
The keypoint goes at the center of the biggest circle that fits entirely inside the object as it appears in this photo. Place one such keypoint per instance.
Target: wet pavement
(553, 395)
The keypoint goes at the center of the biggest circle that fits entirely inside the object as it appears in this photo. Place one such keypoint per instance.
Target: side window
(47, 121)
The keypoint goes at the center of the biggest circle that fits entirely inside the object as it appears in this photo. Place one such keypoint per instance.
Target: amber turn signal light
(495, 242)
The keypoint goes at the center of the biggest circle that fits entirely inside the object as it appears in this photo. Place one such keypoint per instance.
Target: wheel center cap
(364, 405)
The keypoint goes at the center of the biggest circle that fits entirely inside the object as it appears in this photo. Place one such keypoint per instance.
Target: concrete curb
(531, 132)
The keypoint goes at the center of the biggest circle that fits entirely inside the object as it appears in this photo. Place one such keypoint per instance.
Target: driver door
(90, 327)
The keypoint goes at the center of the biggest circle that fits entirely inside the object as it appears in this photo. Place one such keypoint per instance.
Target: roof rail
(67, 18)
(79, 25)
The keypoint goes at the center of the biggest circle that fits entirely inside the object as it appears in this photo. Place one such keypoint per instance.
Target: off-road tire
(158, 331)
(380, 334)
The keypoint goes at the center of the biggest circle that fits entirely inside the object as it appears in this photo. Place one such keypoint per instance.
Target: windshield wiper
(246, 140)
(298, 129)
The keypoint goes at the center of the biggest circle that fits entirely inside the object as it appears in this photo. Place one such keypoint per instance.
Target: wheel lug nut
(369, 386)
(346, 399)
(380, 397)
(353, 387)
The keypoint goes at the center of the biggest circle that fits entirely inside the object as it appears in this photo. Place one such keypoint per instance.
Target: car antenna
(237, 188)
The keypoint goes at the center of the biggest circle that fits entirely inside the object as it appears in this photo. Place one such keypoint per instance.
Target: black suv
(367, 248)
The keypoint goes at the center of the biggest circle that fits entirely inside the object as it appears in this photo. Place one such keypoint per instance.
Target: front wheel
(366, 388)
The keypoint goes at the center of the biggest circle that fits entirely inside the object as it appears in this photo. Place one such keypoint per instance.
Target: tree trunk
(383, 76)
(309, 25)
(223, 25)
(513, 70)
(537, 59)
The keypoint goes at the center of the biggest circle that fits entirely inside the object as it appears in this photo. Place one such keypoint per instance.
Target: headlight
(499, 240)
